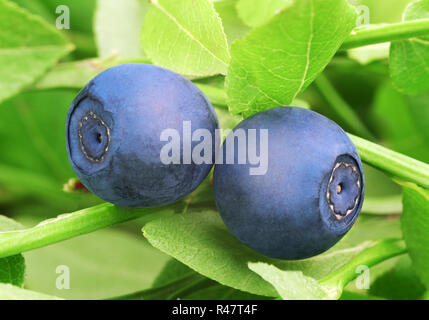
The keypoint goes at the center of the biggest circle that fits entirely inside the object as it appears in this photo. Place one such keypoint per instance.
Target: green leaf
(349, 295)
(415, 226)
(175, 281)
(201, 241)
(419, 109)
(24, 58)
(258, 12)
(75, 74)
(81, 21)
(291, 285)
(106, 263)
(172, 271)
(372, 228)
(185, 36)
(117, 27)
(232, 24)
(219, 292)
(12, 269)
(175, 290)
(367, 54)
(83, 13)
(7, 224)
(276, 62)
(399, 283)
(37, 7)
(10, 292)
(409, 59)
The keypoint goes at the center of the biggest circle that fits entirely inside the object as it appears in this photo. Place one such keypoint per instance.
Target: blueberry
(113, 132)
(309, 197)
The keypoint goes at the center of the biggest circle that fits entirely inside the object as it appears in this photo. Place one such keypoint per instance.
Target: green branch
(386, 33)
(392, 163)
(379, 252)
(73, 224)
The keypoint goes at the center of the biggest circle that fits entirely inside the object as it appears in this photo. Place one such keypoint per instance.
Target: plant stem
(386, 33)
(341, 108)
(379, 252)
(73, 224)
(393, 163)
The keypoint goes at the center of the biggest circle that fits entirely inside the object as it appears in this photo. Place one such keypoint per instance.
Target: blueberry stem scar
(339, 188)
(99, 136)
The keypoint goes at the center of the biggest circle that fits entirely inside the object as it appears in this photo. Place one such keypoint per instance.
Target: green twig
(341, 108)
(379, 252)
(386, 33)
(71, 225)
(392, 163)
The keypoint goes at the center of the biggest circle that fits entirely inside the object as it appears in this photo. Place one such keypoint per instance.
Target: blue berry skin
(113, 133)
(309, 197)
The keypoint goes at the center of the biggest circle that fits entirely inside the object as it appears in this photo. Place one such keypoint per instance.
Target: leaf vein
(187, 32)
